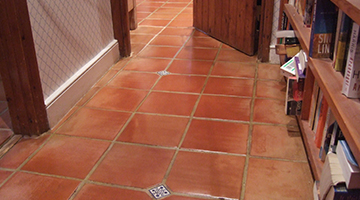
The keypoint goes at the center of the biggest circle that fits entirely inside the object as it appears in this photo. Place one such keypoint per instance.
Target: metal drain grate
(163, 73)
(159, 192)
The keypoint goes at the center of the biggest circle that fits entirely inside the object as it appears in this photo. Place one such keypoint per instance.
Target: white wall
(274, 58)
(70, 37)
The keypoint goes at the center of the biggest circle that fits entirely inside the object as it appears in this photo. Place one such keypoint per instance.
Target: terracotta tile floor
(214, 128)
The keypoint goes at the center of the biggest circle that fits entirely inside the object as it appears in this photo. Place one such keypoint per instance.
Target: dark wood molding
(267, 9)
(120, 17)
(19, 70)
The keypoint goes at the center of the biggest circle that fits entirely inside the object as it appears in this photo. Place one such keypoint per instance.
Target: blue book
(323, 29)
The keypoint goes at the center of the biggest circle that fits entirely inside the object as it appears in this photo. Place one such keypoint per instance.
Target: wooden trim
(267, 9)
(121, 26)
(19, 70)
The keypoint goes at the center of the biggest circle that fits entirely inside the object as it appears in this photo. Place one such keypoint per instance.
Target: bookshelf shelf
(345, 110)
(350, 7)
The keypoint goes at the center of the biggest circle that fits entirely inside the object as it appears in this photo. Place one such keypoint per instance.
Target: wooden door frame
(266, 22)
(19, 67)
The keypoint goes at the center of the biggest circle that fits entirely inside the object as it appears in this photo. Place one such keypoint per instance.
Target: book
(308, 12)
(342, 41)
(313, 106)
(294, 96)
(335, 137)
(349, 166)
(351, 84)
(323, 29)
(328, 130)
(301, 63)
(317, 111)
(321, 122)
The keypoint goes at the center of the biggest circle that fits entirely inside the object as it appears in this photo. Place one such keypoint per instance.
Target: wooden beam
(19, 70)
(121, 26)
(267, 9)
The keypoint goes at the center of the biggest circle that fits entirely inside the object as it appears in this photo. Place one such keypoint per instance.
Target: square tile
(117, 99)
(140, 39)
(154, 130)
(21, 151)
(217, 136)
(159, 52)
(67, 156)
(272, 179)
(181, 83)
(234, 69)
(147, 64)
(181, 23)
(271, 89)
(146, 30)
(178, 31)
(134, 80)
(271, 111)
(159, 192)
(277, 142)
(174, 197)
(220, 107)
(4, 175)
(190, 67)
(162, 16)
(197, 53)
(91, 191)
(154, 22)
(103, 124)
(24, 186)
(235, 56)
(230, 86)
(207, 174)
(269, 71)
(139, 167)
(169, 103)
(166, 40)
(203, 42)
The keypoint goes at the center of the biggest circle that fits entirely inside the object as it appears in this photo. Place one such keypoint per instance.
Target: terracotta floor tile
(160, 52)
(146, 8)
(21, 151)
(269, 71)
(137, 48)
(140, 39)
(177, 31)
(5, 134)
(135, 80)
(146, 30)
(181, 83)
(277, 142)
(91, 191)
(139, 167)
(197, 54)
(271, 89)
(217, 136)
(24, 186)
(234, 69)
(173, 197)
(230, 86)
(207, 174)
(166, 40)
(271, 111)
(185, 16)
(106, 78)
(175, 4)
(169, 10)
(108, 123)
(162, 16)
(271, 179)
(154, 130)
(198, 33)
(154, 22)
(235, 56)
(220, 107)
(181, 23)
(117, 99)
(169, 103)
(4, 175)
(203, 42)
(190, 67)
(147, 64)
(67, 156)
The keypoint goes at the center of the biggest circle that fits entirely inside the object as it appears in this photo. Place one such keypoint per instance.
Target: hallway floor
(213, 128)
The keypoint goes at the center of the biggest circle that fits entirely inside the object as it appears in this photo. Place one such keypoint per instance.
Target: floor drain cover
(163, 73)
(159, 191)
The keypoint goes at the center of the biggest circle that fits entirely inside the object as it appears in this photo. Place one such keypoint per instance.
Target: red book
(321, 123)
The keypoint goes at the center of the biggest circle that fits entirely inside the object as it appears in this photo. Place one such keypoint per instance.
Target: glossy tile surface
(214, 128)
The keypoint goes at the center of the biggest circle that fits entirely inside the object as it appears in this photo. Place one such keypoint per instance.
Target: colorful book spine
(351, 84)
(323, 29)
(344, 34)
(321, 123)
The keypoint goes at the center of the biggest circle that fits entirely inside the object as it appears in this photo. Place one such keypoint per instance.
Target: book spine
(314, 100)
(342, 43)
(321, 122)
(351, 84)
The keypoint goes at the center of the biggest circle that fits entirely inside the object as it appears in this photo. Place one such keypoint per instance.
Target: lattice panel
(67, 35)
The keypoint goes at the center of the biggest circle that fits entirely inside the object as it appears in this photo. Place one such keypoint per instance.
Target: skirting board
(59, 104)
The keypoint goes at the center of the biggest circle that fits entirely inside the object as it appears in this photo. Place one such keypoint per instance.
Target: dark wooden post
(120, 17)
(19, 70)
(267, 9)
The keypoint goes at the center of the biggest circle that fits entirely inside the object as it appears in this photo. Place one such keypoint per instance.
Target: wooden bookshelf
(345, 110)
(350, 7)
